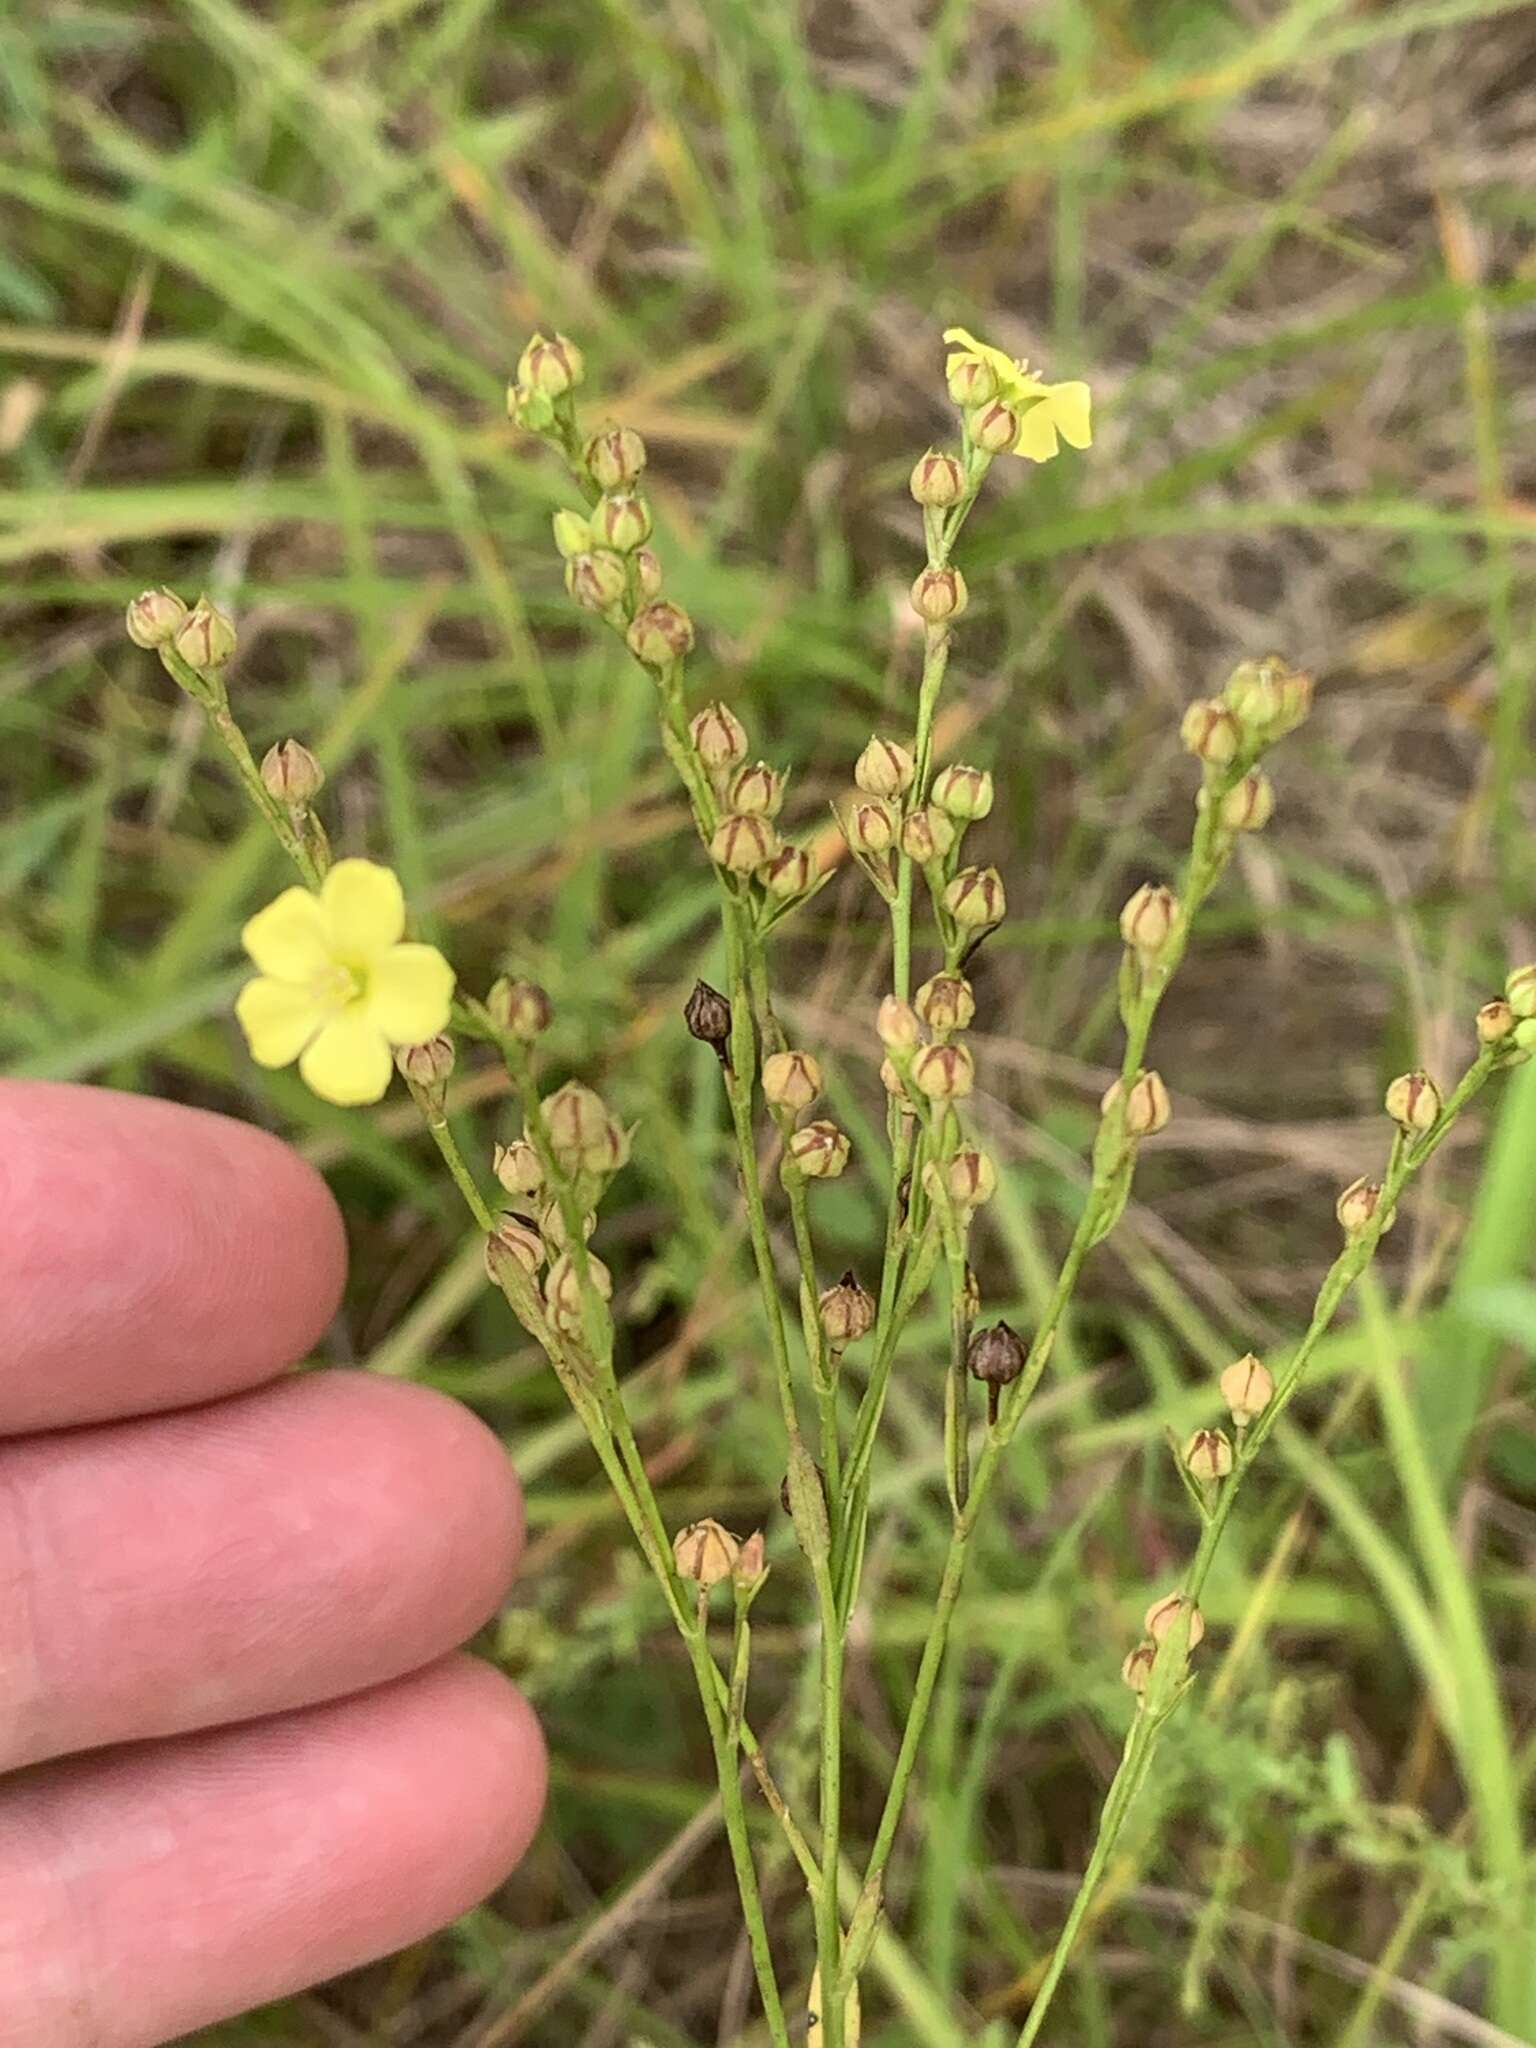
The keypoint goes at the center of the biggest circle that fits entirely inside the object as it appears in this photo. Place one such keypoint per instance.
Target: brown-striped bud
(1520, 991)
(1211, 732)
(550, 364)
(1164, 1614)
(963, 793)
(974, 899)
(1495, 1021)
(1413, 1103)
(757, 791)
(1147, 1108)
(614, 456)
(944, 1072)
(1148, 920)
(820, 1150)
(971, 379)
(517, 1167)
(1248, 805)
(1208, 1456)
(660, 635)
(938, 479)
(429, 1064)
(946, 1003)
(596, 580)
(971, 1178)
(291, 773)
(154, 617)
(1137, 1668)
(707, 1014)
(939, 594)
(870, 827)
(513, 1238)
(719, 737)
(705, 1553)
(1247, 1387)
(564, 1284)
(791, 1080)
(927, 834)
(1356, 1208)
(1295, 697)
(205, 639)
(847, 1311)
(884, 769)
(897, 1025)
(742, 843)
(622, 521)
(582, 1135)
(519, 1007)
(995, 427)
(789, 874)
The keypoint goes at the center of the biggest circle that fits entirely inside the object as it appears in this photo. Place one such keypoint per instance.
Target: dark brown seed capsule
(708, 1016)
(996, 1357)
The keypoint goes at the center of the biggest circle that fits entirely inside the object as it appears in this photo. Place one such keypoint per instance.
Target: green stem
(829, 1926)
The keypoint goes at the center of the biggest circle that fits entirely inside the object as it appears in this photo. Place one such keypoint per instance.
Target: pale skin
(241, 1749)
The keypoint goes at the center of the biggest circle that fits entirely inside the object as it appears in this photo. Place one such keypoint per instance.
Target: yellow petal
(290, 938)
(1037, 433)
(350, 1061)
(409, 991)
(278, 1019)
(365, 908)
(1072, 410)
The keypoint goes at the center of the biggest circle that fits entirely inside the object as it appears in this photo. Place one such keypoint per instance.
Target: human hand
(243, 1758)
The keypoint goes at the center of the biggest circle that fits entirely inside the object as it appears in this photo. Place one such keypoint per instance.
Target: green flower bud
(614, 456)
(1148, 919)
(1254, 693)
(884, 769)
(965, 794)
(975, 899)
(596, 581)
(1211, 732)
(647, 574)
(897, 1025)
(155, 617)
(622, 522)
(1147, 1108)
(743, 842)
(519, 1007)
(573, 534)
(972, 381)
(553, 366)
(1520, 991)
(205, 638)
(660, 635)
(1495, 1021)
(995, 427)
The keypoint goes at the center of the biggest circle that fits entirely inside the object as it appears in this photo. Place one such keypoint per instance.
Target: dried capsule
(847, 1311)
(791, 1080)
(1211, 732)
(939, 594)
(705, 1552)
(820, 1150)
(518, 1168)
(1208, 1456)
(719, 737)
(1248, 805)
(660, 635)
(944, 1072)
(1147, 1108)
(751, 1566)
(938, 479)
(707, 1014)
(551, 364)
(885, 768)
(996, 1357)
(154, 617)
(946, 1003)
(897, 1025)
(757, 791)
(927, 834)
(1163, 1614)
(521, 1008)
(742, 843)
(891, 1080)
(963, 793)
(648, 578)
(1413, 1103)
(553, 1228)
(614, 456)
(1148, 919)
(290, 772)
(1247, 1387)
(975, 900)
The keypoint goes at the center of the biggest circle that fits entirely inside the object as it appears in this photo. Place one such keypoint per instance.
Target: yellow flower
(337, 988)
(1045, 410)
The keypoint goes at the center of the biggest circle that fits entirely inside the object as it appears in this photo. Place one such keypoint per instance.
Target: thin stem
(829, 1926)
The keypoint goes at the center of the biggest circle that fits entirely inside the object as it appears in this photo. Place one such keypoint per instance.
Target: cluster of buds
(203, 637)
(1511, 1024)
(1171, 1612)
(706, 1554)
(745, 842)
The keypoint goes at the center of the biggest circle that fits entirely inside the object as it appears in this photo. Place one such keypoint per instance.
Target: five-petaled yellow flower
(1045, 410)
(337, 988)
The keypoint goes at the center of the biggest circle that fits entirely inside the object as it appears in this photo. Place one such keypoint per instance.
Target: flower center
(337, 985)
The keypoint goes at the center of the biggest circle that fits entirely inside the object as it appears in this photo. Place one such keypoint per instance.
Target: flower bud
(939, 594)
(751, 1566)
(553, 366)
(705, 1553)
(975, 899)
(965, 794)
(820, 1150)
(847, 1311)
(553, 1230)
(897, 1025)
(1247, 1387)
(884, 769)
(155, 617)
(870, 827)
(1413, 1103)
(1254, 692)
(1248, 805)
(1211, 732)
(582, 1135)
(789, 874)
(944, 1072)
(596, 581)
(741, 844)
(893, 1084)
(660, 635)
(1295, 697)
(622, 521)
(517, 1167)
(719, 737)
(995, 427)
(1520, 992)
(573, 534)
(946, 1003)
(708, 1017)
(563, 1285)
(1495, 1021)
(291, 773)
(1137, 1668)
(428, 1065)
(534, 410)
(927, 835)
(1147, 1108)
(757, 791)
(519, 1007)
(513, 1238)
(1356, 1207)
(614, 457)
(972, 1178)
(1163, 1614)
(1208, 1456)
(1148, 919)
(938, 479)
(647, 565)
(205, 639)
(971, 379)
(791, 1080)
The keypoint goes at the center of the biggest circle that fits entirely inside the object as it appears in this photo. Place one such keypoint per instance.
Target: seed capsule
(965, 794)
(742, 843)
(1163, 1614)
(971, 379)
(847, 1311)
(563, 1283)
(1520, 992)
(1413, 1103)
(937, 479)
(660, 635)
(975, 899)
(517, 1167)
(154, 617)
(871, 829)
(647, 566)
(884, 769)
(705, 1552)
(995, 427)
(552, 1225)
(791, 1080)
(1148, 919)
(1247, 1387)
(820, 1150)
(429, 1064)
(939, 594)
(996, 1357)
(582, 1134)
(614, 456)
(708, 1016)
(944, 1072)
(946, 1003)
(519, 1007)
(719, 737)
(972, 1179)
(1137, 1668)
(1208, 1455)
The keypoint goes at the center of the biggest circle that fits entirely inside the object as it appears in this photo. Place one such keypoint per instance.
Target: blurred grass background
(262, 277)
